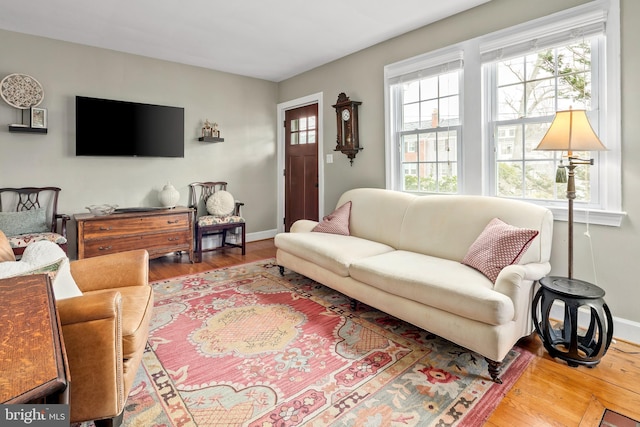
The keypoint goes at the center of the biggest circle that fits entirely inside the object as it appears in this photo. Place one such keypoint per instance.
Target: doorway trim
(315, 98)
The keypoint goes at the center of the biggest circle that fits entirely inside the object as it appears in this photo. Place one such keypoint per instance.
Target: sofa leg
(110, 422)
(494, 370)
(354, 304)
(281, 268)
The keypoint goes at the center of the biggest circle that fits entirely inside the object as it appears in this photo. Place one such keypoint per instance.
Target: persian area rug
(243, 346)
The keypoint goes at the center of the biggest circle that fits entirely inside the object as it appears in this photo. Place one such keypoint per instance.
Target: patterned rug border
(481, 411)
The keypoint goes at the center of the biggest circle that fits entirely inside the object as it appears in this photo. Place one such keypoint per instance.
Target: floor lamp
(571, 131)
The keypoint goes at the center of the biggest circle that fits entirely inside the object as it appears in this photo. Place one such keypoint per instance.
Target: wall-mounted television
(106, 127)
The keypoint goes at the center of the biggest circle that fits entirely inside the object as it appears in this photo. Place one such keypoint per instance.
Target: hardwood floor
(549, 392)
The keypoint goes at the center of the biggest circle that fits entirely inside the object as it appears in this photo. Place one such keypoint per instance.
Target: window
(466, 118)
(526, 91)
(428, 122)
(303, 130)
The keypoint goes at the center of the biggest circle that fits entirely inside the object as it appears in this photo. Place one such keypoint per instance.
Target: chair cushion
(31, 221)
(137, 306)
(22, 240)
(207, 220)
(221, 203)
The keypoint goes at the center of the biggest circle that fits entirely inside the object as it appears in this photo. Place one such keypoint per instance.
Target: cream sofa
(403, 256)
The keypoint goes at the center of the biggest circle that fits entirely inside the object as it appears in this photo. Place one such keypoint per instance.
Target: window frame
(474, 177)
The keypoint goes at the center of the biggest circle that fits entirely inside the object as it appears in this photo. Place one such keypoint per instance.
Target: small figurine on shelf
(215, 132)
(207, 130)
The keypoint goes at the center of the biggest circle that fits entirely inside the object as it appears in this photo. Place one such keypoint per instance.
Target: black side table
(567, 342)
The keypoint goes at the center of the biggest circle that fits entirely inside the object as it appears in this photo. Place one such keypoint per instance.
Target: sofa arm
(517, 282)
(117, 270)
(512, 276)
(92, 333)
(303, 226)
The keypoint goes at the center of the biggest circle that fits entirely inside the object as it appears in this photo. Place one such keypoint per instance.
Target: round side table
(566, 341)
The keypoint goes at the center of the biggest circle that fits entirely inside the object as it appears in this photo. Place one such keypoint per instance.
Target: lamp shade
(571, 131)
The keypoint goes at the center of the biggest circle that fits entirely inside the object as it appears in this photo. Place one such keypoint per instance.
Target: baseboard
(261, 235)
(623, 329)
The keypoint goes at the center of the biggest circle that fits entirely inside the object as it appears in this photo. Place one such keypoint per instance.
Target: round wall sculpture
(21, 91)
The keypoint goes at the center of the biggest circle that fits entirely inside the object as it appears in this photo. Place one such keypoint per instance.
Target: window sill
(591, 216)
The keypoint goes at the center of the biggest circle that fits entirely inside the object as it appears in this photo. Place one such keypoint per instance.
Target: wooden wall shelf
(26, 129)
(210, 139)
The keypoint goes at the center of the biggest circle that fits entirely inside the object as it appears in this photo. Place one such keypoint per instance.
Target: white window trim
(475, 179)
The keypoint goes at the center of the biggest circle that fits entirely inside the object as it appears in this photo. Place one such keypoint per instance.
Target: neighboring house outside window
(426, 116)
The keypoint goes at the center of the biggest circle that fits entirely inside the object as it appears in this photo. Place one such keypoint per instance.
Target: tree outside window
(529, 90)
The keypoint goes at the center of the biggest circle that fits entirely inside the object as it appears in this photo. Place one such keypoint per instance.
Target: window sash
(495, 124)
(430, 67)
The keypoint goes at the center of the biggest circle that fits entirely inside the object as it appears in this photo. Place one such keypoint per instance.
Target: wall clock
(348, 139)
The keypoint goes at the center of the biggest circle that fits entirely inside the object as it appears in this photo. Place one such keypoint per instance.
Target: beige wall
(246, 111)
(616, 249)
(243, 107)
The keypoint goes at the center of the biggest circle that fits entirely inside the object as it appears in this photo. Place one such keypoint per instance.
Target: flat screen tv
(106, 127)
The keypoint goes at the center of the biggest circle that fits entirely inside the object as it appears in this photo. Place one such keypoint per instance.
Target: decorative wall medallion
(21, 91)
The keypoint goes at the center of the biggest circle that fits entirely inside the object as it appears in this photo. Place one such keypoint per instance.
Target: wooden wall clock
(347, 140)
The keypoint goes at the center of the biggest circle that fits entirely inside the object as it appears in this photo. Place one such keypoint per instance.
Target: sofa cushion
(436, 282)
(498, 245)
(334, 252)
(336, 222)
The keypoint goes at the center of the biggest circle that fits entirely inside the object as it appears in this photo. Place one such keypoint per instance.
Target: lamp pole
(571, 195)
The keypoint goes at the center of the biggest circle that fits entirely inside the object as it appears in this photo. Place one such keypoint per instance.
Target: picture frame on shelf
(38, 118)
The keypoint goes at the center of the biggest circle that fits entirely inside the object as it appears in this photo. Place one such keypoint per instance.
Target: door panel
(301, 164)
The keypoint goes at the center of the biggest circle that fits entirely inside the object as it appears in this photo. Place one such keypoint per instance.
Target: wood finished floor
(549, 393)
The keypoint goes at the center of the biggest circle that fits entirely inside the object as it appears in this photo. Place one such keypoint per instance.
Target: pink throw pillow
(337, 222)
(499, 245)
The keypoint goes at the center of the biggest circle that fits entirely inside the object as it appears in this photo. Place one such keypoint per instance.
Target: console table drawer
(126, 226)
(150, 242)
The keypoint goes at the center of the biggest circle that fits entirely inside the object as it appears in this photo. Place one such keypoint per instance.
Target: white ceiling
(271, 40)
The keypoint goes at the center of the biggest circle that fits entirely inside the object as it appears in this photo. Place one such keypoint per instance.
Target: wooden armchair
(217, 213)
(29, 214)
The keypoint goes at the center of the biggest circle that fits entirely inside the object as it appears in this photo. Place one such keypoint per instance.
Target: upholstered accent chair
(105, 325)
(105, 332)
(30, 214)
(217, 213)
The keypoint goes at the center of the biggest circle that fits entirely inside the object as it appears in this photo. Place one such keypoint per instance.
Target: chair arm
(89, 307)
(63, 224)
(92, 333)
(117, 270)
(238, 206)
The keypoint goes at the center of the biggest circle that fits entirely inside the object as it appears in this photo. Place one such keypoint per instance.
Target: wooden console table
(159, 231)
(33, 360)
